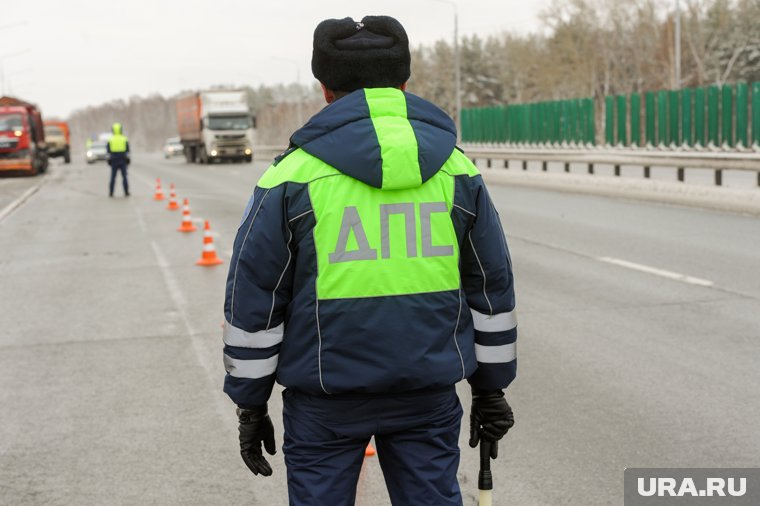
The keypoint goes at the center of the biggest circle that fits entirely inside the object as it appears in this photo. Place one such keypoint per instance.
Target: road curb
(8, 210)
(732, 200)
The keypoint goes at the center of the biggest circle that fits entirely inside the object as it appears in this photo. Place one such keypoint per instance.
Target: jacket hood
(383, 137)
(116, 128)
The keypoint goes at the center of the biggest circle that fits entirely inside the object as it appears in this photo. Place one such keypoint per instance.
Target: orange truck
(22, 137)
(58, 140)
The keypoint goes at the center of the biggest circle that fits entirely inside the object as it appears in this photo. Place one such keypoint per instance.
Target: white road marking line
(7, 210)
(141, 220)
(657, 272)
(173, 286)
(213, 374)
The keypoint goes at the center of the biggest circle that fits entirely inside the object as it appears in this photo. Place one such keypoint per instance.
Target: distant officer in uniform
(118, 158)
(370, 274)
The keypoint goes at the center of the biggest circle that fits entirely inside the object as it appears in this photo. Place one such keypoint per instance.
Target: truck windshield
(11, 122)
(53, 130)
(228, 123)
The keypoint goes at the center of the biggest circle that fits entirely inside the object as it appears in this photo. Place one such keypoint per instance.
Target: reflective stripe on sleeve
(251, 369)
(495, 354)
(234, 336)
(497, 323)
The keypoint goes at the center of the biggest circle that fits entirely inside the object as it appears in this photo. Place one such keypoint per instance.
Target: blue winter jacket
(311, 299)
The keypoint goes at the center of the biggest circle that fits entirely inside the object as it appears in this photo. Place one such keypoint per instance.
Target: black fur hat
(350, 55)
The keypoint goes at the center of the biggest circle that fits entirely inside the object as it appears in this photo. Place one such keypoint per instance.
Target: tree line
(586, 48)
(593, 48)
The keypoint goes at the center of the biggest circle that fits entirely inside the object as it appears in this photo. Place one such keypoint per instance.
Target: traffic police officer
(370, 274)
(118, 158)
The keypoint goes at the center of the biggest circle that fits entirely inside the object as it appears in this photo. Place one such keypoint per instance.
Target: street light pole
(678, 44)
(7, 79)
(2, 67)
(457, 69)
(457, 74)
(2, 63)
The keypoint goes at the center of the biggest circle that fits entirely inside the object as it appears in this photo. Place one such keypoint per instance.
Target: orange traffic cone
(208, 257)
(370, 451)
(187, 220)
(159, 195)
(173, 206)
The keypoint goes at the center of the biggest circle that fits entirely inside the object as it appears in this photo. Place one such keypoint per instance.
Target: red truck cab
(22, 137)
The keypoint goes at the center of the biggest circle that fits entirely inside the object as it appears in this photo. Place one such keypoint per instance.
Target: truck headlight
(89, 154)
(213, 152)
(248, 151)
(17, 133)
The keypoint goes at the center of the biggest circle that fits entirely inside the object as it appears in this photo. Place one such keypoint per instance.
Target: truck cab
(228, 136)
(22, 139)
(58, 140)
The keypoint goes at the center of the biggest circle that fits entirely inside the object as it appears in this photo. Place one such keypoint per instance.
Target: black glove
(490, 418)
(255, 428)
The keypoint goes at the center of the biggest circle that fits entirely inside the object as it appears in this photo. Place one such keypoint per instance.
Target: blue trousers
(416, 435)
(112, 183)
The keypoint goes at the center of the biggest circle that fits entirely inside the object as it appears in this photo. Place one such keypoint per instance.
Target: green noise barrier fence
(556, 121)
(726, 116)
(713, 115)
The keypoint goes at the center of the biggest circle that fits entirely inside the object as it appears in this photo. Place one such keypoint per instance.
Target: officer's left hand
(491, 418)
(256, 428)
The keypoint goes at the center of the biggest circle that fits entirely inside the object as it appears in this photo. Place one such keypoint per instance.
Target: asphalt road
(13, 191)
(639, 342)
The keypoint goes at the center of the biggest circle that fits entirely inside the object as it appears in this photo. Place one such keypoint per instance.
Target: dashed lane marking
(141, 220)
(657, 272)
(629, 265)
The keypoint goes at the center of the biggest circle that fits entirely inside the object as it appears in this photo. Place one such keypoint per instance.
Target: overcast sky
(68, 54)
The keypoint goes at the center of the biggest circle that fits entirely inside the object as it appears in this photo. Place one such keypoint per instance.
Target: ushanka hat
(371, 53)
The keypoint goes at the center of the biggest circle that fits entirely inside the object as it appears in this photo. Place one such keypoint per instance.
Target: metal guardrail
(715, 159)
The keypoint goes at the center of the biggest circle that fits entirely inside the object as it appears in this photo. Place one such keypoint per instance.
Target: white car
(97, 151)
(173, 147)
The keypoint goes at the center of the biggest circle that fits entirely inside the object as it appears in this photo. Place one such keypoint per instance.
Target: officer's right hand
(256, 427)
(491, 418)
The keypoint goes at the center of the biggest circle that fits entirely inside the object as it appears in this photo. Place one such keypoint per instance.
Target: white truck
(215, 125)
